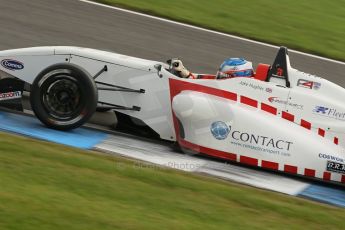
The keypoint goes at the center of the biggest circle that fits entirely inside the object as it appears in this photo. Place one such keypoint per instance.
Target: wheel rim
(62, 98)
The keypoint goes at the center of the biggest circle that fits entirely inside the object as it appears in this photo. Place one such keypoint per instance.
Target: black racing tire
(64, 96)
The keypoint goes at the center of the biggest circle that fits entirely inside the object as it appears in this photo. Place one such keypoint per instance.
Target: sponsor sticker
(12, 64)
(335, 167)
(308, 84)
(329, 112)
(221, 131)
(331, 157)
(277, 100)
(10, 95)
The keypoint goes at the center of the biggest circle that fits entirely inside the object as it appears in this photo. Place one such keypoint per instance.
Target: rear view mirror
(158, 67)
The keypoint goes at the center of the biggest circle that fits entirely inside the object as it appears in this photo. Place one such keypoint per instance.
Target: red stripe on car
(270, 165)
(305, 124)
(290, 169)
(336, 140)
(177, 86)
(342, 178)
(327, 176)
(321, 132)
(268, 108)
(288, 116)
(249, 101)
(309, 172)
(208, 151)
(249, 160)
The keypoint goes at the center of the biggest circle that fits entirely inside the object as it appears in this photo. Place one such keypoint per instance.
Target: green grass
(48, 186)
(315, 26)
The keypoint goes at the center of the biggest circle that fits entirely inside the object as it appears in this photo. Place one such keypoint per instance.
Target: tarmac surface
(71, 22)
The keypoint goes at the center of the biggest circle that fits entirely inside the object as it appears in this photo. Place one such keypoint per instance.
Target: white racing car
(281, 119)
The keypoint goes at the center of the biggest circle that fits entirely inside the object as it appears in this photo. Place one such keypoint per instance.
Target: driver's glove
(178, 67)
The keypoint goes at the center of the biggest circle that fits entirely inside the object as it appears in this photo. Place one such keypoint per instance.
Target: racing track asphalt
(71, 22)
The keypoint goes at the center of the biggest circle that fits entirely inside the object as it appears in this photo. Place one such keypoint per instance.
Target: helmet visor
(235, 73)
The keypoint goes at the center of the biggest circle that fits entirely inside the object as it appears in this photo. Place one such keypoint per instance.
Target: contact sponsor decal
(308, 84)
(329, 112)
(277, 100)
(256, 87)
(10, 95)
(335, 167)
(221, 131)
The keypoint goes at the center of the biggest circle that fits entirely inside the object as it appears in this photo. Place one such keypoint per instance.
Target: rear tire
(63, 96)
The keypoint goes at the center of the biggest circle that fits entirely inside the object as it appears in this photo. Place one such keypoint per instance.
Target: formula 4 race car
(281, 119)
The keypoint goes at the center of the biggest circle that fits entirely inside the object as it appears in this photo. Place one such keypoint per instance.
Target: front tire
(63, 96)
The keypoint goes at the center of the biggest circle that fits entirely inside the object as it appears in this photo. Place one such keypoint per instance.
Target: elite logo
(308, 84)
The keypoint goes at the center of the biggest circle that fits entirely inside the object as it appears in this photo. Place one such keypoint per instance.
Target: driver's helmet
(235, 67)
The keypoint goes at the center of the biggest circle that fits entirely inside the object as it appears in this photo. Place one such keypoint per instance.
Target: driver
(231, 67)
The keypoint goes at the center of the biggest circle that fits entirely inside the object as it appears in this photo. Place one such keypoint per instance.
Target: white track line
(210, 31)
